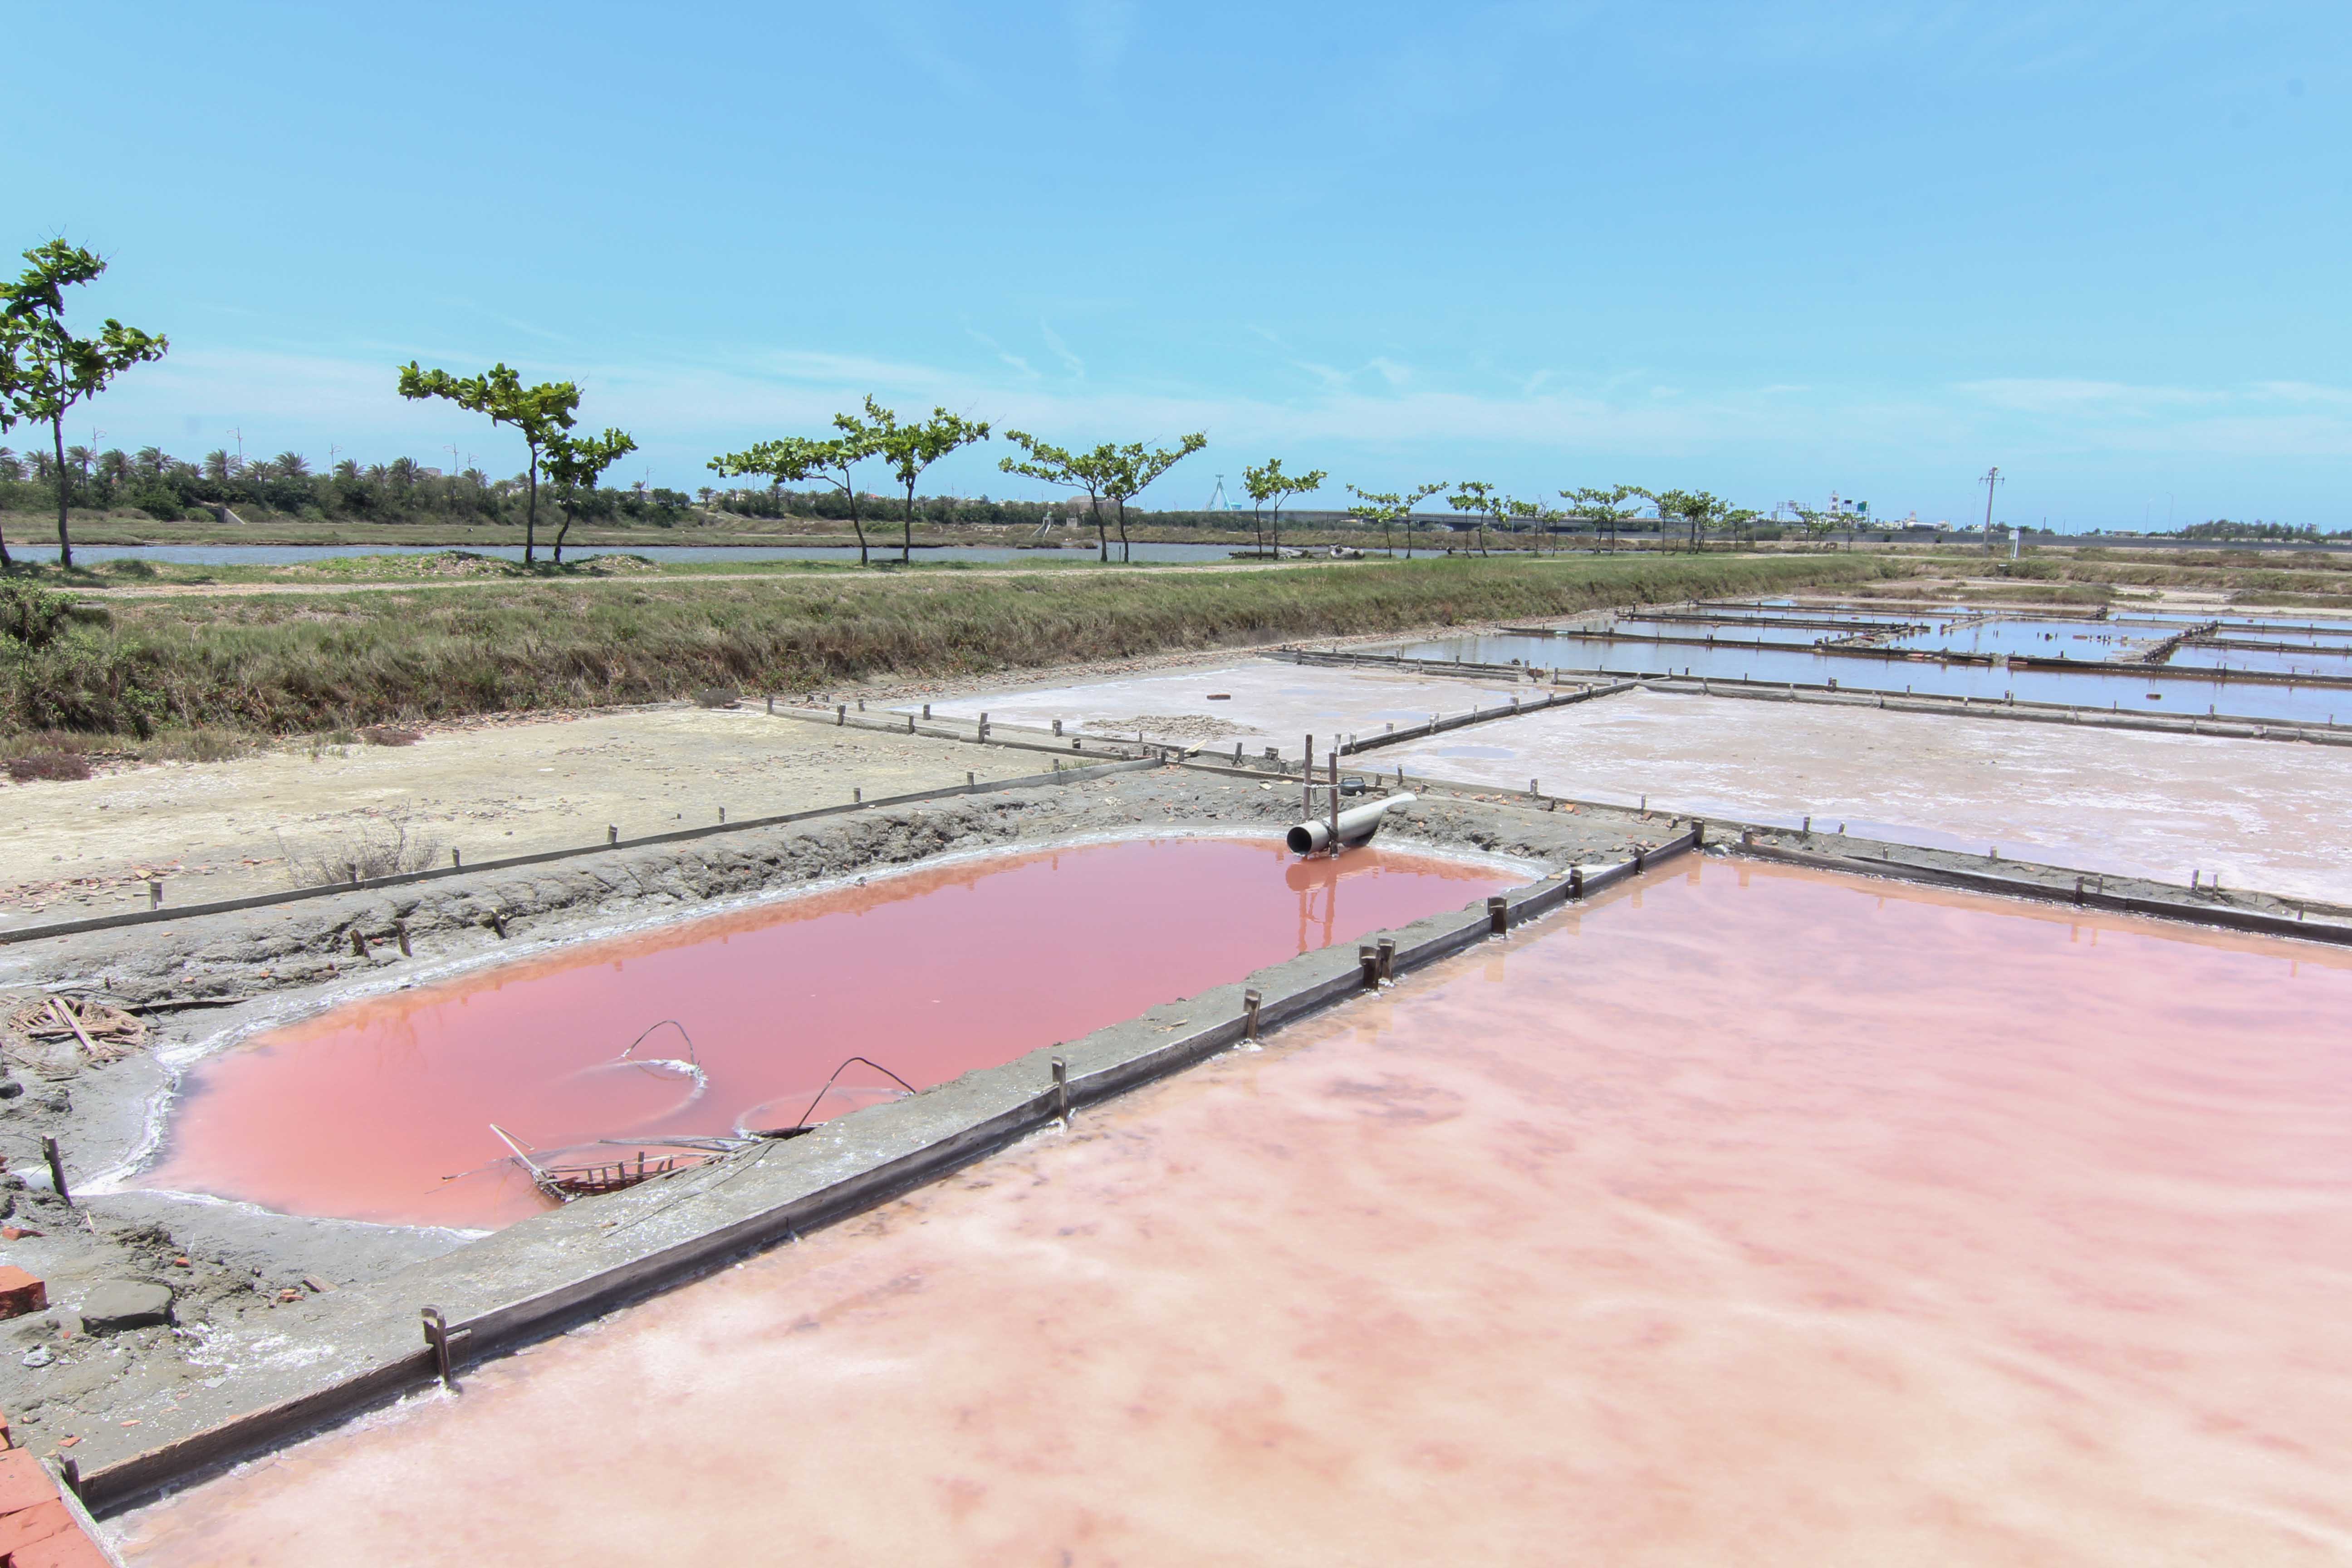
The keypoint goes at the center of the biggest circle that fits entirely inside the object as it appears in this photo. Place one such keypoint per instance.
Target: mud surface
(1551, 1254)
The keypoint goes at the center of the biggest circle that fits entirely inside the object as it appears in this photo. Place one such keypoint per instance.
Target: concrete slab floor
(220, 830)
(1266, 703)
(1746, 1216)
(2266, 815)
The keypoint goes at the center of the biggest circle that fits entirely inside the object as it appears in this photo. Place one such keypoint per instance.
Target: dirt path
(217, 830)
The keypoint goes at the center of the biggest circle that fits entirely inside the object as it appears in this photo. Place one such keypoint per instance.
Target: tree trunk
(560, 532)
(1126, 551)
(855, 521)
(1102, 535)
(907, 538)
(530, 508)
(1277, 530)
(64, 481)
(1257, 528)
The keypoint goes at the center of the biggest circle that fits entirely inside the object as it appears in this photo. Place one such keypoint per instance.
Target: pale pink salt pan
(1756, 1216)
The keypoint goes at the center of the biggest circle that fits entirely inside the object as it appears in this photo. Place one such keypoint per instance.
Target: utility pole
(1991, 478)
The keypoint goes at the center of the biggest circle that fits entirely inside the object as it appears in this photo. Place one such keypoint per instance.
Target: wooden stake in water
(1335, 803)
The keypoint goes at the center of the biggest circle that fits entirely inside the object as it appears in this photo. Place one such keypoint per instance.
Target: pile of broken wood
(107, 1033)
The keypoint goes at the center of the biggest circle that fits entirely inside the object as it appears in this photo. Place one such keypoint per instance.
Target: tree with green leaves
(574, 463)
(1268, 483)
(911, 448)
(1135, 467)
(792, 459)
(1606, 509)
(44, 369)
(539, 414)
(1485, 501)
(1695, 508)
(1109, 472)
(1387, 507)
(1091, 473)
(1544, 517)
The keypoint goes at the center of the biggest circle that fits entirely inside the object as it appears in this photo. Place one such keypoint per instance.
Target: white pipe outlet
(1356, 825)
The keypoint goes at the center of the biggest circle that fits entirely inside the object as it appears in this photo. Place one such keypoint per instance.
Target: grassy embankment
(2096, 576)
(295, 664)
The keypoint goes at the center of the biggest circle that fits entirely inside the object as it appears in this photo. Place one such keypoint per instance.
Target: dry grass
(381, 846)
(297, 664)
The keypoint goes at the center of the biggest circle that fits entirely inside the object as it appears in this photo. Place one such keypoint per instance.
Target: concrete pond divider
(378, 1341)
(2087, 892)
(2227, 726)
(609, 845)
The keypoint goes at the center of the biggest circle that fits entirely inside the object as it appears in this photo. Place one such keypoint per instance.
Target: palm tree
(79, 457)
(293, 465)
(114, 466)
(152, 461)
(402, 472)
(219, 466)
(11, 467)
(260, 471)
(348, 471)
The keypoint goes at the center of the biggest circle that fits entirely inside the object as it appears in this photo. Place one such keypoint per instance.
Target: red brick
(20, 1293)
(74, 1551)
(26, 1525)
(22, 1482)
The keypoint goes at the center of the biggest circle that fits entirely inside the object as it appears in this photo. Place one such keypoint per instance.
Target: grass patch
(285, 664)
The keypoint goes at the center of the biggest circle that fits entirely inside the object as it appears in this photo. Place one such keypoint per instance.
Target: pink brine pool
(383, 1110)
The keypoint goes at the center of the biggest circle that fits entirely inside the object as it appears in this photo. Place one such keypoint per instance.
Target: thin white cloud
(1070, 362)
(1027, 370)
(682, 410)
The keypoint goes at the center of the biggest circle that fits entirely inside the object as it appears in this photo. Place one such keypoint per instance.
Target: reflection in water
(362, 1111)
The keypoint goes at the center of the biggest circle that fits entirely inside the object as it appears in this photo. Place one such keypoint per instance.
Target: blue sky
(1771, 250)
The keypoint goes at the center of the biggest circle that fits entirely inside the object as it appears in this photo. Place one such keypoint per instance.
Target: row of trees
(46, 370)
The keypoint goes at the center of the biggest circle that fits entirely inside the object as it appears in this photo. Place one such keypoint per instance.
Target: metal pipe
(1351, 827)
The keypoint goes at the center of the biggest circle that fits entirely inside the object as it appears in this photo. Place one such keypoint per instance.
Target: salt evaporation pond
(1749, 1216)
(2263, 815)
(361, 1111)
(2157, 693)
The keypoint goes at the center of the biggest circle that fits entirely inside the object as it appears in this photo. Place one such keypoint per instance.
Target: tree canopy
(539, 414)
(45, 369)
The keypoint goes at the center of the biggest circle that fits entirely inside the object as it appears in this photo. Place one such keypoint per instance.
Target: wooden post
(723, 814)
(56, 1167)
(1250, 1002)
(155, 893)
(857, 795)
(1499, 915)
(611, 834)
(983, 727)
(436, 1335)
(455, 858)
(1368, 957)
(772, 706)
(1387, 950)
(358, 944)
(1335, 803)
(1306, 783)
(927, 712)
(400, 931)
(1062, 1090)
